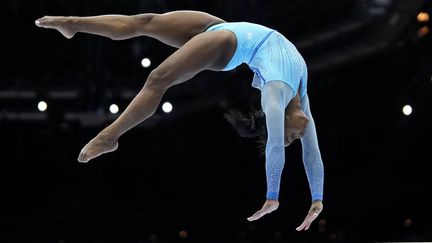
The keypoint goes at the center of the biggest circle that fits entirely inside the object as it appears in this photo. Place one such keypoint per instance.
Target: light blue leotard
(280, 72)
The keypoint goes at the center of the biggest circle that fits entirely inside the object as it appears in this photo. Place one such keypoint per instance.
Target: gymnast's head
(295, 125)
(253, 125)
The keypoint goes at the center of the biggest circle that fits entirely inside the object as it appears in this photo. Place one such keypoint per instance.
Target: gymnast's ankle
(108, 137)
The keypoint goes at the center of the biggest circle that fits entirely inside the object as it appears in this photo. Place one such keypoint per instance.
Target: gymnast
(206, 42)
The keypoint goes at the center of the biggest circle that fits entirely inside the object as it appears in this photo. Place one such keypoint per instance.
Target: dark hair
(249, 125)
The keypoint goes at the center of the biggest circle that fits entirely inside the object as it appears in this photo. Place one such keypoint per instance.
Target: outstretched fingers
(307, 221)
(258, 215)
(268, 207)
(313, 213)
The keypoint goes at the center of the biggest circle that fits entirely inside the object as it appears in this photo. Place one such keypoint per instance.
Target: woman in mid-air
(206, 42)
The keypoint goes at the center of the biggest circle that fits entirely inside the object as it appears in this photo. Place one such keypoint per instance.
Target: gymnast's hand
(313, 213)
(269, 206)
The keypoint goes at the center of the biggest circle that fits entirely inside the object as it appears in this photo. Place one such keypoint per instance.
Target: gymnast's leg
(205, 51)
(173, 28)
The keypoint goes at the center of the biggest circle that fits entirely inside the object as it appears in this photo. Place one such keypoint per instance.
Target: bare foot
(97, 146)
(62, 24)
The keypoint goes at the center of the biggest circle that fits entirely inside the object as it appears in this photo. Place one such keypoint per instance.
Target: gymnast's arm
(275, 149)
(273, 101)
(311, 154)
(313, 165)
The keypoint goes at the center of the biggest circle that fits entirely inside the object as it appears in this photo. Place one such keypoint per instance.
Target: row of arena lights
(167, 107)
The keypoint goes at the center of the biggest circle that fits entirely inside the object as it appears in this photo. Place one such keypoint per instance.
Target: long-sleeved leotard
(275, 95)
(272, 57)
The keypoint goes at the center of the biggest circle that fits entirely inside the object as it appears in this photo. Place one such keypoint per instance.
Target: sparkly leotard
(280, 72)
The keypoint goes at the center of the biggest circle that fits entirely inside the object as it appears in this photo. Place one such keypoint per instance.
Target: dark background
(188, 170)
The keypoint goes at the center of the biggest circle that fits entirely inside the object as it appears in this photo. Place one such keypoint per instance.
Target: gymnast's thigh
(178, 27)
(205, 51)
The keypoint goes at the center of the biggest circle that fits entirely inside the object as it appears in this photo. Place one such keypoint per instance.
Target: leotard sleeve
(311, 154)
(274, 97)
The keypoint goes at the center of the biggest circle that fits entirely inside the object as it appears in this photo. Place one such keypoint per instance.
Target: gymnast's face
(295, 124)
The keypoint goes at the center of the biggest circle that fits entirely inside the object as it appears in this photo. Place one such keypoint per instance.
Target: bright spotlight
(114, 109)
(407, 110)
(423, 17)
(167, 107)
(42, 106)
(145, 62)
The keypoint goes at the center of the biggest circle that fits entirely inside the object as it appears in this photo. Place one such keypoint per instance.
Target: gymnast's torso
(249, 38)
(268, 54)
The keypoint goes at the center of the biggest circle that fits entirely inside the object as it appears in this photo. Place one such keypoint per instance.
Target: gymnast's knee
(144, 21)
(130, 26)
(158, 81)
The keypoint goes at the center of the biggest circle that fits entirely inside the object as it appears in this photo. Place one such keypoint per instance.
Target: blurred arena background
(184, 175)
